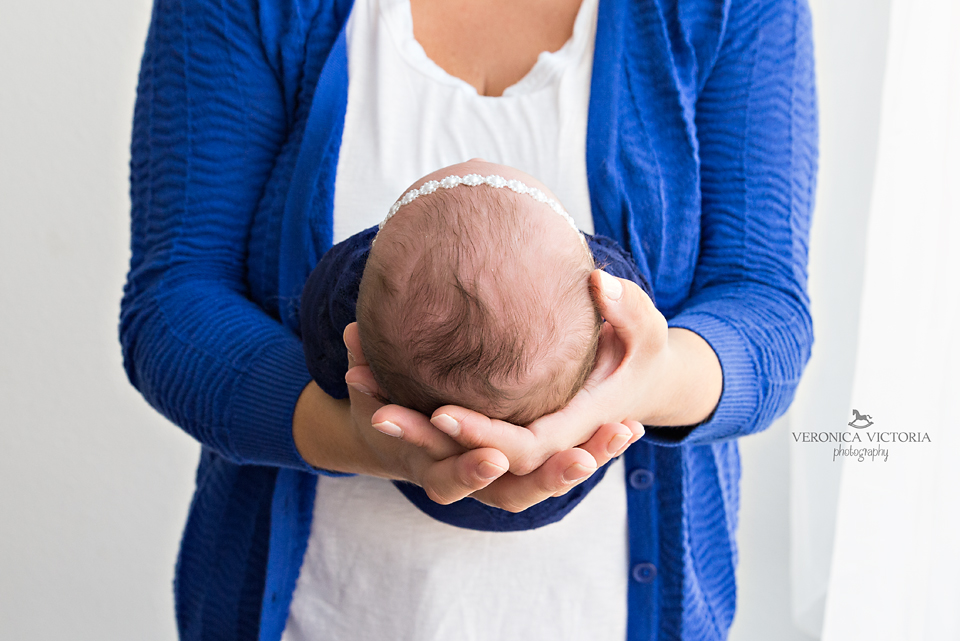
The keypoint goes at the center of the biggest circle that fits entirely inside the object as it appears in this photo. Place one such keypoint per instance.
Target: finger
(362, 403)
(627, 308)
(637, 429)
(415, 428)
(474, 430)
(360, 378)
(576, 423)
(560, 472)
(457, 477)
(610, 441)
(351, 338)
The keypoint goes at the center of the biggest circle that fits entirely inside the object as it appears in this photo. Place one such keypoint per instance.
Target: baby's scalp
(479, 296)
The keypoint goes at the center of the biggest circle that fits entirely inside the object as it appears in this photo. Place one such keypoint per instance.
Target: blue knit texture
(701, 159)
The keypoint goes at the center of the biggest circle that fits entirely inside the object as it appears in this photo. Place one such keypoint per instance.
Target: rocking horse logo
(860, 418)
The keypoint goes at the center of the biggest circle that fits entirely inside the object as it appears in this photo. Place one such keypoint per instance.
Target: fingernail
(388, 428)
(576, 472)
(616, 444)
(363, 389)
(487, 470)
(446, 424)
(611, 287)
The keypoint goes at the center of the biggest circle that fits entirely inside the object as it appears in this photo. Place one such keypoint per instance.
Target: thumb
(627, 309)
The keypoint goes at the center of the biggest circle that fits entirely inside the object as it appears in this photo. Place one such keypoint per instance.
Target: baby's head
(479, 296)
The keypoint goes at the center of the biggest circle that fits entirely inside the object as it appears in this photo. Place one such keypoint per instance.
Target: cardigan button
(641, 479)
(644, 572)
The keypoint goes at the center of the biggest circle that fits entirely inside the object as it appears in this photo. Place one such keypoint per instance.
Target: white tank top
(375, 566)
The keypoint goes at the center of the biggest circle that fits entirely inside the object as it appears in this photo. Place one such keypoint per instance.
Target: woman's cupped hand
(458, 452)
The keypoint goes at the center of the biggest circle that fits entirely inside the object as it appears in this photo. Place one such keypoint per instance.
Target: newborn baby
(473, 294)
(476, 293)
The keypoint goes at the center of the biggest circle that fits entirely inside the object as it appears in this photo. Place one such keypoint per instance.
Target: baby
(476, 293)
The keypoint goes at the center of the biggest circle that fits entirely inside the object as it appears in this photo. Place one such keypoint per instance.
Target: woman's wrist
(686, 388)
(322, 434)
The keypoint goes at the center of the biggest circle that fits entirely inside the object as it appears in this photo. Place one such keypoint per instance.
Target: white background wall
(94, 485)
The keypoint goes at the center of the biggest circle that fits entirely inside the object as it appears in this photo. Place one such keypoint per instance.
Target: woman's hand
(336, 435)
(446, 470)
(645, 373)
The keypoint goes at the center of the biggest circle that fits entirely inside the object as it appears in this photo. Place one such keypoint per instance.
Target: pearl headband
(475, 180)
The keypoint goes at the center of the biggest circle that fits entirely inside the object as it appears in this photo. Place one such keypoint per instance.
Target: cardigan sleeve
(756, 125)
(211, 115)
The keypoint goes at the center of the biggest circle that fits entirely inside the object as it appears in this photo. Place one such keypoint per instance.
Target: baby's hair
(444, 320)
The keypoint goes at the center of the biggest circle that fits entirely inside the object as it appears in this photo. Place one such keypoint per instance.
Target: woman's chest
(407, 117)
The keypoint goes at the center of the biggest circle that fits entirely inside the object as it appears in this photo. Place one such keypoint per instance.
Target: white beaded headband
(475, 180)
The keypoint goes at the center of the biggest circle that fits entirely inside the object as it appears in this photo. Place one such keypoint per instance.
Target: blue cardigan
(701, 157)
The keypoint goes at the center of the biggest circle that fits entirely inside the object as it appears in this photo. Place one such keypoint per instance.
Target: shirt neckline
(548, 68)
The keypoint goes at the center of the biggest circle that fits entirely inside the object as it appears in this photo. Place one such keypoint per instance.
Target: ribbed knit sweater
(701, 158)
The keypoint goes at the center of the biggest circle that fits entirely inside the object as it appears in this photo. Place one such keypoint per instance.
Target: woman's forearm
(209, 125)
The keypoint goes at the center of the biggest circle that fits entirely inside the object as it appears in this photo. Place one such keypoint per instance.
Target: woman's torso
(375, 565)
